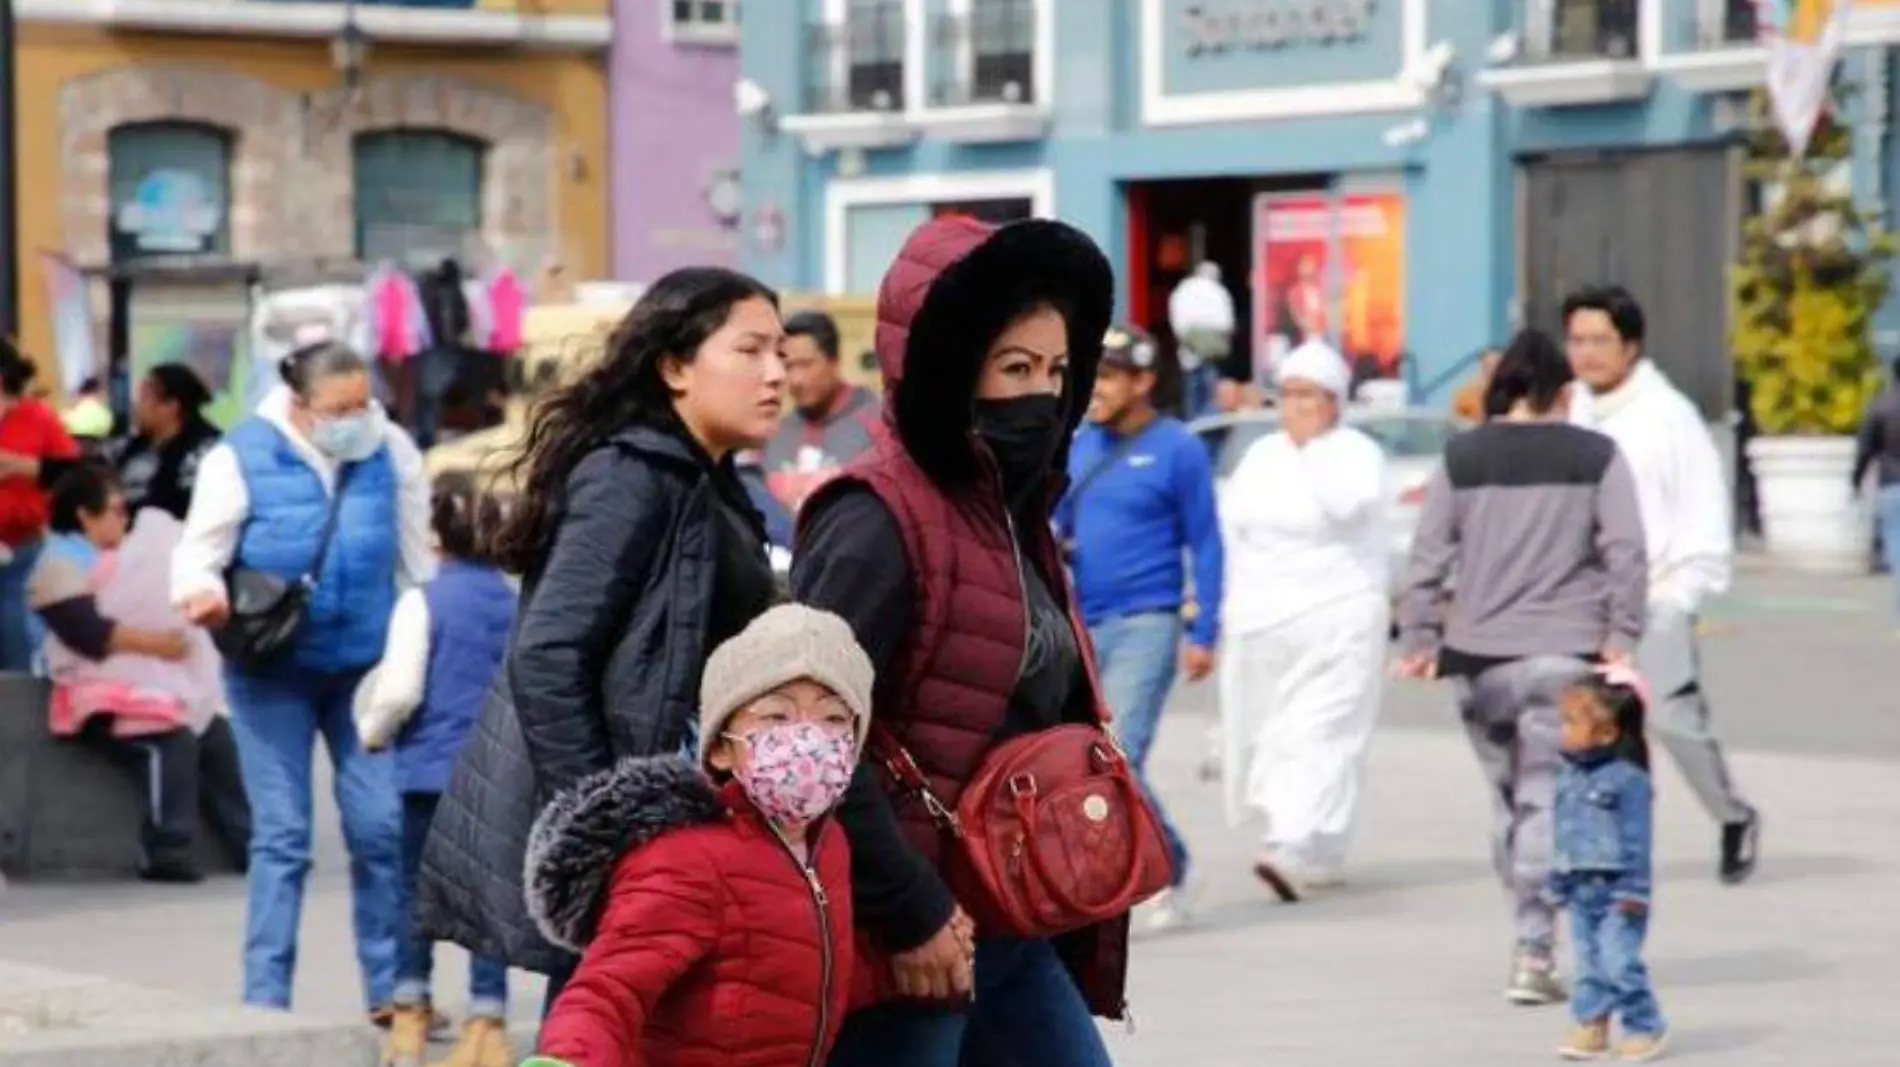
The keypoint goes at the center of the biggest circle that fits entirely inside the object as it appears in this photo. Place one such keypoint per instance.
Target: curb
(57, 1019)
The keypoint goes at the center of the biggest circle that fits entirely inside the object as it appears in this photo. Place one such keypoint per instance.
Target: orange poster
(1372, 278)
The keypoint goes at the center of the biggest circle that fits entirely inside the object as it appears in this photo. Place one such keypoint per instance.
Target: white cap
(1316, 362)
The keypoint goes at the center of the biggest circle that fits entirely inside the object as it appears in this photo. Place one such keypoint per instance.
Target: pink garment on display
(507, 303)
(143, 694)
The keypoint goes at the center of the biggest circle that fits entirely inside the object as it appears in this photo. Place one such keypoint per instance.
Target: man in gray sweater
(1538, 524)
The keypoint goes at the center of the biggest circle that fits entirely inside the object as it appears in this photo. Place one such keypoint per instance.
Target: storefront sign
(1211, 29)
(171, 211)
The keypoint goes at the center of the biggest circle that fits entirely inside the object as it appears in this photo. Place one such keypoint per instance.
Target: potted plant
(1811, 274)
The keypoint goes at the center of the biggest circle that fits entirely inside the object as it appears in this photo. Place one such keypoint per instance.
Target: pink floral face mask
(797, 770)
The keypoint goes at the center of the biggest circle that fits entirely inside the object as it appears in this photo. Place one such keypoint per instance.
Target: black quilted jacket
(604, 663)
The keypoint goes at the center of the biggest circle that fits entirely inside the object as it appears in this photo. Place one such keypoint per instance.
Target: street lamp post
(9, 205)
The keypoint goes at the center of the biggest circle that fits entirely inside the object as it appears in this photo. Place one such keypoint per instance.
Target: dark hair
(87, 487)
(818, 326)
(15, 369)
(180, 384)
(1532, 369)
(462, 514)
(1626, 709)
(1626, 315)
(303, 368)
(623, 388)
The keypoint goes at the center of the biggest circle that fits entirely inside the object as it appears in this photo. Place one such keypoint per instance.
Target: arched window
(169, 185)
(418, 194)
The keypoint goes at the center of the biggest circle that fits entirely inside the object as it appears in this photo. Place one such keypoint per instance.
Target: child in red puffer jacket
(712, 901)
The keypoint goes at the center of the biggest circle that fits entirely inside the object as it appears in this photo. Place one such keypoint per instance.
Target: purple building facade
(673, 136)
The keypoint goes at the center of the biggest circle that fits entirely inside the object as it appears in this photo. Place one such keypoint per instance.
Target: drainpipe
(9, 207)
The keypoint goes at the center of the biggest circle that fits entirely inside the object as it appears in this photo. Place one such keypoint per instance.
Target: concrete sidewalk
(1405, 966)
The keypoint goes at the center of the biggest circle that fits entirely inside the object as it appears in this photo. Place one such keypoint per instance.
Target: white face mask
(349, 438)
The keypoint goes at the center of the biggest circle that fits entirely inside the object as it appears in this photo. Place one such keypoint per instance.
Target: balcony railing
(986, 56)
(857, 64)
(1568, 31)
(1734, 26)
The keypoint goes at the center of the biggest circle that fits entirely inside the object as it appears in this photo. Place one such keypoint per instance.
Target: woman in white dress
(1306, 621)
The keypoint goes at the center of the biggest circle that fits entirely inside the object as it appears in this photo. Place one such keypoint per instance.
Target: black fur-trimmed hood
(583, 832)
(953, 287)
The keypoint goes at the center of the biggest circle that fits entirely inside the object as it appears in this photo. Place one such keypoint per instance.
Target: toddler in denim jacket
(1600, 865)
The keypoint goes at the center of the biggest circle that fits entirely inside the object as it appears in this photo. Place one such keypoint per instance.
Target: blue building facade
(1516, 148)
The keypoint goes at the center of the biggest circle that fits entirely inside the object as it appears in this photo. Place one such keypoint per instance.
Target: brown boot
(484, 1043)
(408, 1039)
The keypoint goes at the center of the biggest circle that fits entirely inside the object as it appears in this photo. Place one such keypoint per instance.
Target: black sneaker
(1741, 842)
(171, 872)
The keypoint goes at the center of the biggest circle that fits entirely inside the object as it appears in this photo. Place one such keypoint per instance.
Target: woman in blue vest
(260, 502)
(639, 552)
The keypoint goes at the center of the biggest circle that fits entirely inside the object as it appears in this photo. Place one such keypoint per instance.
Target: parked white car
(1414, 440)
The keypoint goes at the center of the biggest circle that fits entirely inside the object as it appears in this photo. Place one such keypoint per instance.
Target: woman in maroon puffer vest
(936, 547)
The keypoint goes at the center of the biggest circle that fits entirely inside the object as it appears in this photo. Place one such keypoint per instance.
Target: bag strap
(309, 580)
(883, 746)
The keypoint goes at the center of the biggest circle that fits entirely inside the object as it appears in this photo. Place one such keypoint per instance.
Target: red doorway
(1174, 225)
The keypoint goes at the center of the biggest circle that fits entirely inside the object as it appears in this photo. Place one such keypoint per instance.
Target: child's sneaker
(484, 1043)
(1640, 1048)
(408, 1039)
(1587, 1041)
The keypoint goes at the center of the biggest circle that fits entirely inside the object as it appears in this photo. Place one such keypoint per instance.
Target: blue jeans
(277, 716)
(1136, 655)
(415, 967)
(1027, 1011)
(1611, 976)
(19, 627)
(1197, 390)
(1889, 505)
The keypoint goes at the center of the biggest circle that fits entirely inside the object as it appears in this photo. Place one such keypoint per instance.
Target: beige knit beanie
(787, 643)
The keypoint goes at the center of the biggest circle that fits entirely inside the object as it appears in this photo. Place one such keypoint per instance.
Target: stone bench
(67, 810)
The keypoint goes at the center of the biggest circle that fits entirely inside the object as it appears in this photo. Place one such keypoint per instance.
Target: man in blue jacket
(1141, 497)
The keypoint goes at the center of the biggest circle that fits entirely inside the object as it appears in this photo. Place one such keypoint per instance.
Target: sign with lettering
(1260, 25)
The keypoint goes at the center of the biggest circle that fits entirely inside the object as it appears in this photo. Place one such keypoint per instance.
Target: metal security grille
(418, 195)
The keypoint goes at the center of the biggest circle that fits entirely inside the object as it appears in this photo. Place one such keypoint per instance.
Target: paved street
(1406, 965)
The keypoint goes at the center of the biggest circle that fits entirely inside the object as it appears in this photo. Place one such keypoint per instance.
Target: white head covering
(1316, 362)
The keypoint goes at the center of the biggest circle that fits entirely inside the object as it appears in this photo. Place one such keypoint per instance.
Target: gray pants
(1680, 719)
(1511, 714)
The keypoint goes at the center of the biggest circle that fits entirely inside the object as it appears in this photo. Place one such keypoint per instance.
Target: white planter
(1809, 515)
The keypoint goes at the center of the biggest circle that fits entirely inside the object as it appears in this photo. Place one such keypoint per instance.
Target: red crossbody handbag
(1054, 833)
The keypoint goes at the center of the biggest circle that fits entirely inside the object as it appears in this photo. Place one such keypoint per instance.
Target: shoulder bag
(1052, 834)
(266, 609)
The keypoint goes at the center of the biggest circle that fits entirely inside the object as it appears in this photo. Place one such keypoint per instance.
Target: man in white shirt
(1686, 521)
(1201, 314)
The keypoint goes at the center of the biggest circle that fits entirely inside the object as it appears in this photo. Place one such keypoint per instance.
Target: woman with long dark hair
(159, 463)
(639, 552)
(936, 546)
(1538, 519)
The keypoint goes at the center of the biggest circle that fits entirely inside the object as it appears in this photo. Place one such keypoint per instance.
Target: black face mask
(1022, 432)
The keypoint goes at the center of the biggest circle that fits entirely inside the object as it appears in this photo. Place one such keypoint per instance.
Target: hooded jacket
(705, 942)
(604, 663)
(955, 634)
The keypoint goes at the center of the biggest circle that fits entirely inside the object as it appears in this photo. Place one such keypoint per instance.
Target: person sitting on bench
(128, 674)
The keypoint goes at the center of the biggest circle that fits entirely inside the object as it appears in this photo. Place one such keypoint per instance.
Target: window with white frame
(874, 36)
(1003, 48)
(702, 21)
